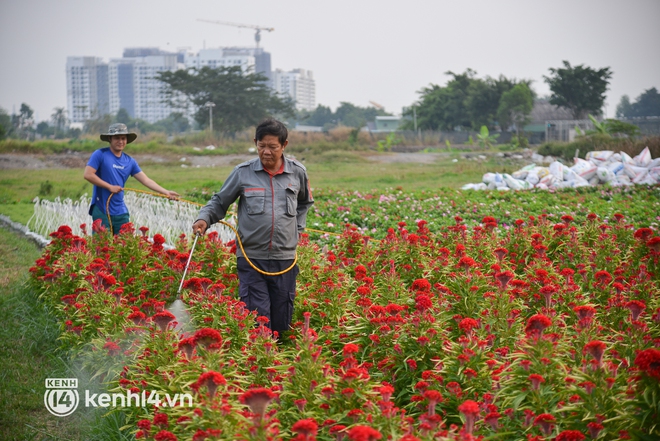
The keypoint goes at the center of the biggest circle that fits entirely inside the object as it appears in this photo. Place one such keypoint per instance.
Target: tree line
(238, 100)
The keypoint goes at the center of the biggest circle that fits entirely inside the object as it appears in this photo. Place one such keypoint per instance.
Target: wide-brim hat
(118, 129)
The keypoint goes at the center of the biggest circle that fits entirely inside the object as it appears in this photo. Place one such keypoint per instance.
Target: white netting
(160, 215)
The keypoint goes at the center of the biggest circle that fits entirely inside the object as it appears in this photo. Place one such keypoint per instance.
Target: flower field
(427, 318)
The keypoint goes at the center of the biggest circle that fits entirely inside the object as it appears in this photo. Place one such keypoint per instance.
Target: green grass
(29, 354)
(329, 170)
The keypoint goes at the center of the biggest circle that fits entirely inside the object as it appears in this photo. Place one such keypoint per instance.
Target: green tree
(5, 124)
(484, 99)
(647, 104)
(241, 99)
(350, 115)
(320, 116)
(515, 107)
(123, 117)
(624, 108)
(580, 89)
(443, 108)
(59, 118)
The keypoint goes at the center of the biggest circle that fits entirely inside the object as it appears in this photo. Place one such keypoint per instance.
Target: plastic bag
(542, 171)
(615, 167)
(532, 178)
(515, 184)
(626, 159)
(633, 171)
(584, 169)
(644, 179)
(520, 174)
(599, 156)
(488, 178)
(644, 158)
(557, 169)
(604, 174)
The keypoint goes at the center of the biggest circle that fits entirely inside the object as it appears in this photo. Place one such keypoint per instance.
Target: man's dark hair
(274, 127)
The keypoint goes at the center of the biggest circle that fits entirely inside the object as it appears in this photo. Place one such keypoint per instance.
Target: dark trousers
(117, 221)
(271, 296)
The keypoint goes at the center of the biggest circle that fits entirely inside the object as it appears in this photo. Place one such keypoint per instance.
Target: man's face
(117, 143)
(270, 151)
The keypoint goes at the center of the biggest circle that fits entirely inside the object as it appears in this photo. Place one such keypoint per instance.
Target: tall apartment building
(249, 59)
(298, 84)
(133, 85)
(86, 87)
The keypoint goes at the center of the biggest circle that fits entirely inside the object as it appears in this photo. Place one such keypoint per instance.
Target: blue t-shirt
(115, 171)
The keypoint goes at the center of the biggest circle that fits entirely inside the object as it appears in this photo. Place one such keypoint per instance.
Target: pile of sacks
(599, 167)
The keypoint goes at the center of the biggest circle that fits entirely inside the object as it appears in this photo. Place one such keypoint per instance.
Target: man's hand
(114, 189)
(173, 195)
(199, 227)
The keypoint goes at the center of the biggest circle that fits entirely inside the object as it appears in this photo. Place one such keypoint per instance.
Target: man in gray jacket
(273, 195)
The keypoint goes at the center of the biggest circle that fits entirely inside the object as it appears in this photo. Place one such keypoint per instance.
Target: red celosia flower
(386, 392)
(536, 380)
(570, 435)
(546, 422)
(594, 429)
(596, 349)
(636, 307)
(421, 285)
(423, 302)
(654, 244)
(503, 278)
(144, 425)
(434, 397)
(160, 419)
(307, 427)
(466, 262)
(364, 433)
(164, 435)
(643, 234)
(492, 419)
(536, 325)
(187, 345)
(350, 349)
(163, 319)
(211, 380)
(138, 317)
(470, 411)
(585, 311)
(112, 347)
(257, 399)
(467, 325)
(207, 337)
(649, 362)
(603, 277)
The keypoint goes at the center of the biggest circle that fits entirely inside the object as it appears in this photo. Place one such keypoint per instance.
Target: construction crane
(258, 29)
(376, 105)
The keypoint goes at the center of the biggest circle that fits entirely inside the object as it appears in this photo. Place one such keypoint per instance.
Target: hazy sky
(359, 50)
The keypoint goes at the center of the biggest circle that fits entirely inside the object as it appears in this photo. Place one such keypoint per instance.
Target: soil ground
(79, 159)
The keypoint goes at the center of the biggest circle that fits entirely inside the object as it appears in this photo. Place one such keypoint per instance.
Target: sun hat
(118, 129)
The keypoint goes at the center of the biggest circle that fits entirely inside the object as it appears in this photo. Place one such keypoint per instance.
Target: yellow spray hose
(238, 238)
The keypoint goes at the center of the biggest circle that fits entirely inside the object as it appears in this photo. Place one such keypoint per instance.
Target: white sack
(633, 171)
(557, 169)
(488, 178)
(626, 159)
(644, 158)
(604, 174)
(615, 167)
(584, 169)
(532, 178)
(602, 155)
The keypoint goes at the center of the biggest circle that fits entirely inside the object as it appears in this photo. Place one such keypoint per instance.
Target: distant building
(86, 87)
(387, 123)
(297, 84)
(95, 87)
(133, 85)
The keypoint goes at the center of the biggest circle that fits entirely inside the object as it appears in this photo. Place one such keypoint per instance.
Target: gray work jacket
(272, 210)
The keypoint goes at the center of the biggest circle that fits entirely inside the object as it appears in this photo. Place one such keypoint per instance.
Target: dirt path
(79, 159)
